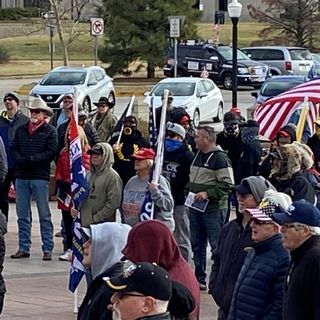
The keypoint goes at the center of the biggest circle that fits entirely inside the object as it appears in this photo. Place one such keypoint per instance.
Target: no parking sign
(97, 26)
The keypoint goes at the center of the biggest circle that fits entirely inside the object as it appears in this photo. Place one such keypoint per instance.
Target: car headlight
(243, 70)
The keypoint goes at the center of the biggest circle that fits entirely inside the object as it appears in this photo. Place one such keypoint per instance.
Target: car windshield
(177, 88)
(273, 88)
(226, 52)
(64, 79)
(300, 54)
(316, 57)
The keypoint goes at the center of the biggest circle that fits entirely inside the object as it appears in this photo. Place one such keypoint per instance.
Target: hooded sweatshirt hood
(107, 241)
(152, 241)
(107, 158)
(258, 186)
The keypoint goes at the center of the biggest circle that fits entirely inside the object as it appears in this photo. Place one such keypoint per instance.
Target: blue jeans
(203, 227)
(39, 189)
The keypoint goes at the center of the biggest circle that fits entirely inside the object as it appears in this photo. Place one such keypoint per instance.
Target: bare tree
(63, 11)
(291, 22)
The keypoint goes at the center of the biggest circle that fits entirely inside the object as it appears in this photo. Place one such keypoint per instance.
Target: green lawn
(36, 47)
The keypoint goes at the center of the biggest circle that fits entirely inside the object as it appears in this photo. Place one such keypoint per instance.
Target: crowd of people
(256, 208)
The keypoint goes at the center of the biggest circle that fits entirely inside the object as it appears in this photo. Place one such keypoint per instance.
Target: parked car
(315, 69)
(282, 60)
(91, 83)
(272, 87)
(217, 61)
(201, 98)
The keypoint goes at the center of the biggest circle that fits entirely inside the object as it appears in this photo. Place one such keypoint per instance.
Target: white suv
(91, 83)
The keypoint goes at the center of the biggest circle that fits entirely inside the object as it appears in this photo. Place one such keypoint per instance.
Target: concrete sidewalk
(38, 290)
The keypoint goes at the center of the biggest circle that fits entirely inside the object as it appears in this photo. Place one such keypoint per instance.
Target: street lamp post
(234, 11)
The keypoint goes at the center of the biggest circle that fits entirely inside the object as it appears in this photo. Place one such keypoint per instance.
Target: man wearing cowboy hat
(103, 120)
(35, 146)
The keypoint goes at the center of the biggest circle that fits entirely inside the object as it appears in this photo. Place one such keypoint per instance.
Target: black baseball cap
(97, 149)
(143, 277)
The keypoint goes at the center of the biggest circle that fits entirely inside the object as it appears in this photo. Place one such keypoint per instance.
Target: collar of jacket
(268, 244)
(297, 254)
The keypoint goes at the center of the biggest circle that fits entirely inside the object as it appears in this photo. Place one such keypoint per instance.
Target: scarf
(33, 127)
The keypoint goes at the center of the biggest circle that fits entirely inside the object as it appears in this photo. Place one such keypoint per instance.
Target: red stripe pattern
(276, 112)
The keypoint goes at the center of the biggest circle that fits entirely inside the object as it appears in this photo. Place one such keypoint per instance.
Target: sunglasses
(37, 111)
(67, 101)
(260, 222)
(121, 295)
(7, 99)
(102, 105)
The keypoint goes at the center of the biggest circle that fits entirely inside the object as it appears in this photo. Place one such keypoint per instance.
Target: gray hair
(161, 305)
(315, 231)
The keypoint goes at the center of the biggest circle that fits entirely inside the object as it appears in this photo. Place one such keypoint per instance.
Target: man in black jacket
(35, 146)
(300, 226)
(176, 168)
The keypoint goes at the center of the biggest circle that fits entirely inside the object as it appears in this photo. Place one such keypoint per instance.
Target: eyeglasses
(260, 222)
(121, 295)
(102, 105)
(67, 101)
(7, 99)
(296, 226)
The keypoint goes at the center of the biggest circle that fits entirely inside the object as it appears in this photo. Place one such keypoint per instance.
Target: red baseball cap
(145, 153)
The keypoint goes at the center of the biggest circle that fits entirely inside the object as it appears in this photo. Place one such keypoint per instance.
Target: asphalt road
(244, 96)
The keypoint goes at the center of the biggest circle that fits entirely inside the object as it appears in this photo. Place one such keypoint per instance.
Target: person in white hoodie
(102, 252)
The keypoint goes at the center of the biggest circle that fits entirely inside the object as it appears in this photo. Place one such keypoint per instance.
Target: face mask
(172, 145)
(231, 129)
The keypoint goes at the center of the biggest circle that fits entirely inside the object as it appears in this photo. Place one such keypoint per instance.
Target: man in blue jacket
(258, 292)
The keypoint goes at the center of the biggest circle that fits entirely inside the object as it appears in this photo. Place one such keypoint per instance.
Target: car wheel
(196, 118)
(219, 116)
(227, 81)
(86, 104)
(112, 98)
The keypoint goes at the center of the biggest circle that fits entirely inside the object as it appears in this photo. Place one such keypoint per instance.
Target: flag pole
(129, 113)
(302, 119)
(75, 301)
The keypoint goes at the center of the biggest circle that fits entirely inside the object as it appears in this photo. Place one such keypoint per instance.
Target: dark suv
(194, 58)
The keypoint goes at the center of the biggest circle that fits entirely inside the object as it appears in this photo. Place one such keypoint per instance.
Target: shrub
(4, 55)
(18, 13)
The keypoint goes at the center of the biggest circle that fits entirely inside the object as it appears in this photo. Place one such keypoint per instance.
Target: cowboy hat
(39, 104)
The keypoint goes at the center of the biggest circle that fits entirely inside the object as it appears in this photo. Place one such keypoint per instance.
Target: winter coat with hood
(152, 241)
(287, 176)
(105, 187)
(107, 240)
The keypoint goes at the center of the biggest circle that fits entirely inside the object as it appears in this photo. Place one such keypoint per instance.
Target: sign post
(175, 25)
(49, 16)
(96, 29)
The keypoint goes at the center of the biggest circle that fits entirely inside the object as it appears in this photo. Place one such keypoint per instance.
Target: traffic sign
(175, 23)
(97, 26)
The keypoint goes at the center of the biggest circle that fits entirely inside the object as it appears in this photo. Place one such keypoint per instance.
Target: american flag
(80, 190)
(276, 112)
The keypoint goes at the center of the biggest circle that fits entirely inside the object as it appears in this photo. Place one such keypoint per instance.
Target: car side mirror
(146, 93)
(203, 94)
(254, 94)
(214, 58)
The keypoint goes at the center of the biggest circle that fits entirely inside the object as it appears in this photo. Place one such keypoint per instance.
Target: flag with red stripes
(274, 113)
